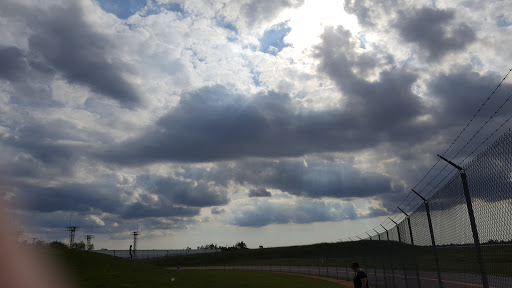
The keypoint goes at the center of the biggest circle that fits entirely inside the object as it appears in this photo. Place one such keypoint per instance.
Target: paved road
(385, 278)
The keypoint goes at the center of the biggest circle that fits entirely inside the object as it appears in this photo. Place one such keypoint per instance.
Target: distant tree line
(238, 246)
(60, 245)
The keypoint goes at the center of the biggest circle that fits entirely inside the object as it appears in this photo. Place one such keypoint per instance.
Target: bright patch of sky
(123, 9)
(502, 21)
(272, 41)
(221, 22)
(309, 21)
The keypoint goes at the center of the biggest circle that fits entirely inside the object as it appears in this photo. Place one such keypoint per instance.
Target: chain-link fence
(461, 236)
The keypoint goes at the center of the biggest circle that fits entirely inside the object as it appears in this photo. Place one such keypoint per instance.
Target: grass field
(90, 270)
(497, 258)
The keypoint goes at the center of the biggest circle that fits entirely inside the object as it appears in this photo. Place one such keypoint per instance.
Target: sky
(271, 122)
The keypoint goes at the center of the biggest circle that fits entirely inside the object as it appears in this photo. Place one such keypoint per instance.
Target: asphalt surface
(383, 278)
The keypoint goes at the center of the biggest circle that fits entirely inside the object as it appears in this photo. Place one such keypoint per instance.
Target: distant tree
(241, 245)
(78, 246)
(261, 247)
(238, 246)
(57, 245)
(39, 243)
(90, 247)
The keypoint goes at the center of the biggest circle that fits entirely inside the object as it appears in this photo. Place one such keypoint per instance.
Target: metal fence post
(400, 241)
(476, 239)
(378, 234)
(392, 270)
(383, 267)
(432, 238)
(412, 243)
(375, 264)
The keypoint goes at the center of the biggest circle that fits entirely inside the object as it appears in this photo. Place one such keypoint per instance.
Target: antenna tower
(135, 235)
(89, 242)
(72, 230)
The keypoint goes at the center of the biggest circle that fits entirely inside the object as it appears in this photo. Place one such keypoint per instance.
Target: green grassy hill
(370, 254)
(89, 269)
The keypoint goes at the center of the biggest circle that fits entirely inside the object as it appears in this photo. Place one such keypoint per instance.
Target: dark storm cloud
(259, 192)
(42, 156)
(62, 40)
(214, 124)
(29, 77)
(189, 193)
(42, 148)
(370, 12)
(174, 223)
(70, 197)
(57, 220)
(386, 104)
(317, 179)
(140, 210)
(434, 31)
(462, 91)
(13, 64)
(266, 213)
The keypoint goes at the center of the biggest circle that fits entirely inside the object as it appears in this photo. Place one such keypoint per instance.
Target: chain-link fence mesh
(454, 260)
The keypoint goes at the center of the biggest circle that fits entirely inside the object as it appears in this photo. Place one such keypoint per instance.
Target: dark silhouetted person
(360, 279)
(131, 255)
(178, 268)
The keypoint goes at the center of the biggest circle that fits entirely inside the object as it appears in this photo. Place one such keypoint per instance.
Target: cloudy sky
(272, 122)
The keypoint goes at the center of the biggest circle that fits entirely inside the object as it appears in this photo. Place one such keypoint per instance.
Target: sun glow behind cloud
(308, 22)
